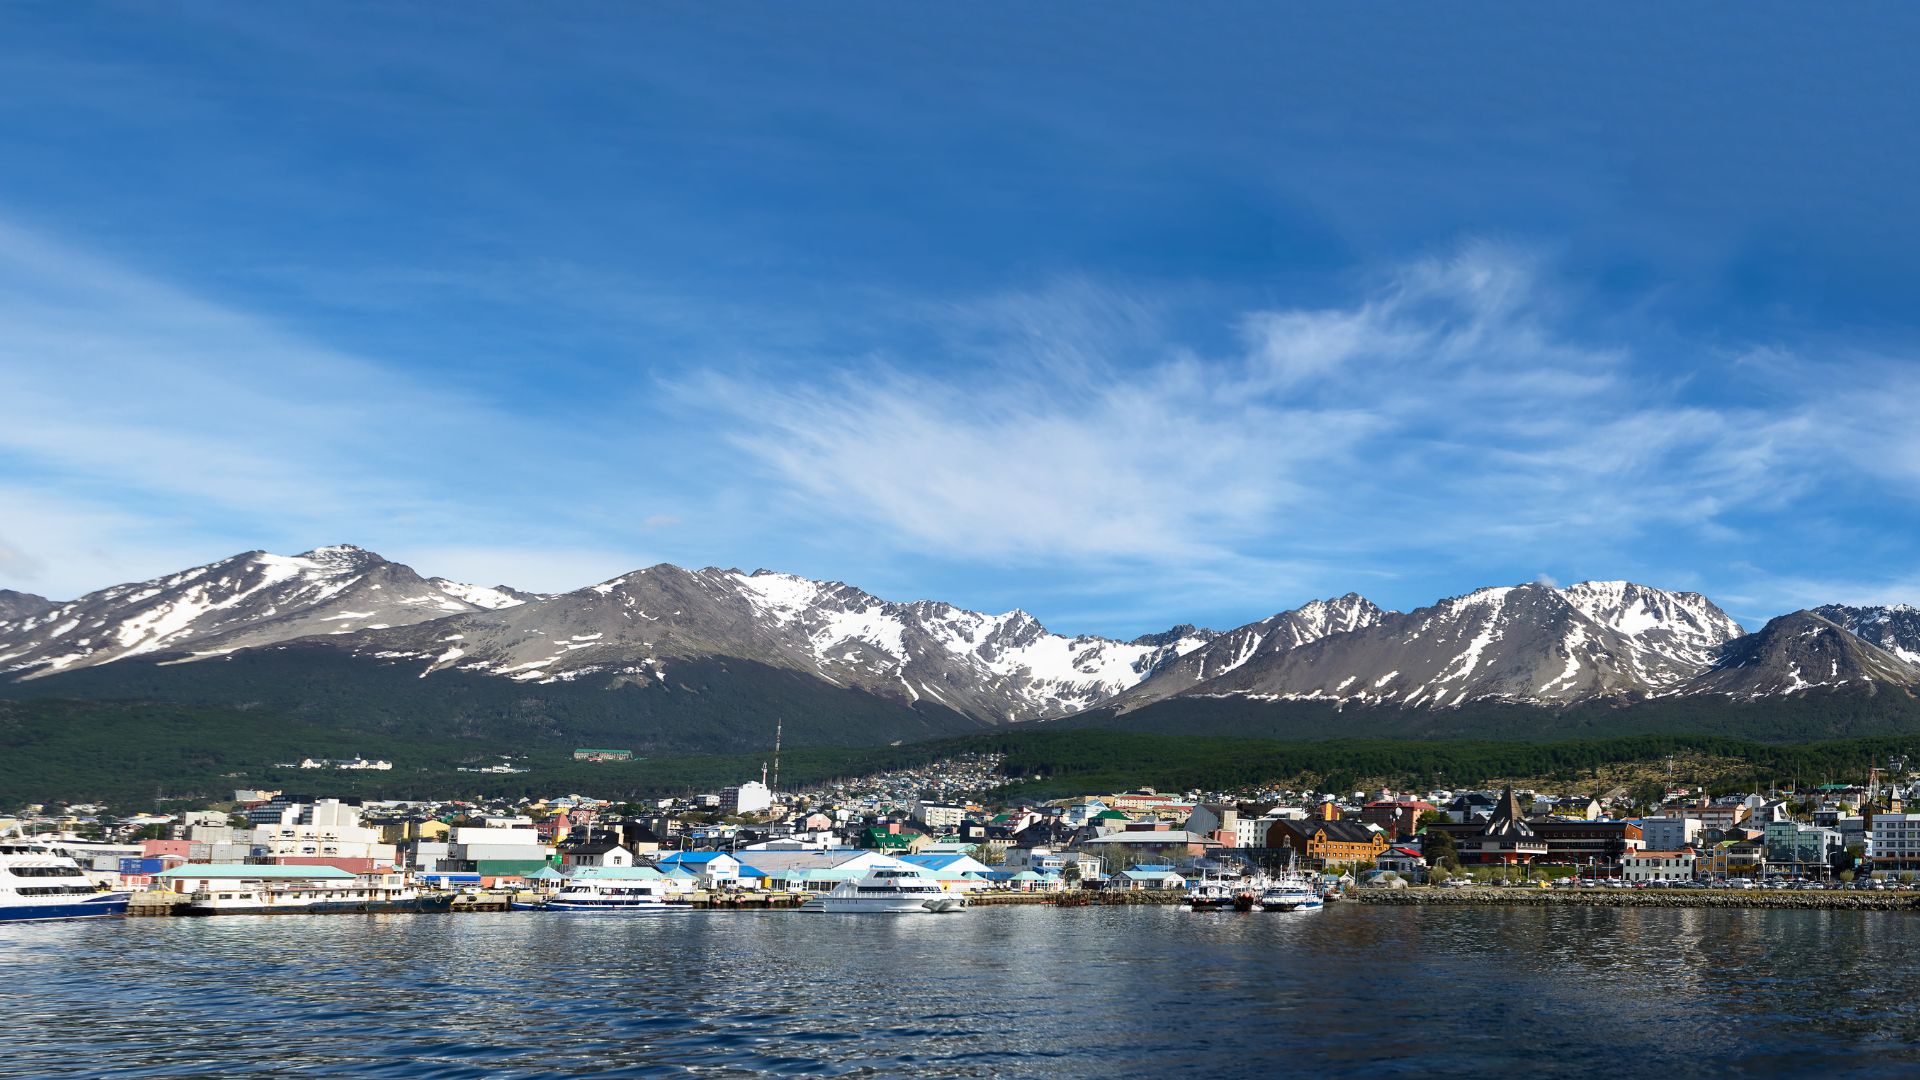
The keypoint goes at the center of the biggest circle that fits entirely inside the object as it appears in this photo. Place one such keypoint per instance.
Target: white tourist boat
(40, 883)
(361, 894)
(612, 895)
(1291, 891)
(891, 891)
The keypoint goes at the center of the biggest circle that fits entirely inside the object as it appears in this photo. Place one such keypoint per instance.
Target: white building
(594, 853)
(749, 798)
(1669, 833)
(941, 815)
(713, 869)
(210, 827)
(1657, 866)
(1894, 842)
(329, 829)
(506, 843)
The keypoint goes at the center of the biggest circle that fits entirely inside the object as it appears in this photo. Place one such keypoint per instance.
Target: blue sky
(1123, 315)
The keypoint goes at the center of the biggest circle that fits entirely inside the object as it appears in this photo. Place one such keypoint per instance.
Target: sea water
(997, 991)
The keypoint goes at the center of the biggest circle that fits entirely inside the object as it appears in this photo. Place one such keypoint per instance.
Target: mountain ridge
(1530, 644)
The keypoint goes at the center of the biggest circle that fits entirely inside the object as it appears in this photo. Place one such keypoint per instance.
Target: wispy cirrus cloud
(1460, 420)
(1454, 412)
(147, 427)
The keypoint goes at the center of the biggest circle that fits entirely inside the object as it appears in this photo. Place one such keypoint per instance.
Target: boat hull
(1291, 903)
(418, 905)
(606, 907)
(906, 905)
(103, 907)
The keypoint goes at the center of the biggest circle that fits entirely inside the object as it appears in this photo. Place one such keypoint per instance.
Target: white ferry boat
(1291, 891)
(38, 882)
(614, 894)
(890, 891)
(285, 890)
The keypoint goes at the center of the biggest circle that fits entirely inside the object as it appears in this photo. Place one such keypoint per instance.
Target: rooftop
(262, 871)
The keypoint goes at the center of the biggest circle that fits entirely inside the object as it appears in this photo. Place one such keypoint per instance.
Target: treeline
(705, 707)
(131, 754)
(1815, 715)
(1045, 763)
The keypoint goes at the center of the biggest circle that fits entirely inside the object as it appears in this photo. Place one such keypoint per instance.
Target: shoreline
(1647, 898)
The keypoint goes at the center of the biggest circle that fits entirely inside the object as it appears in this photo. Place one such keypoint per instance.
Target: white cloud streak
(1450, 410)
(1452, 414)
(146, 428)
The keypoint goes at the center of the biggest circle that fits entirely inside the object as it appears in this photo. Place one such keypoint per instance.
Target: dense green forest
(1057, 763)
(707, 707)
(134, 753)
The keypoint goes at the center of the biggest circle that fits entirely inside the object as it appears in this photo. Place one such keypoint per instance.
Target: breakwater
(1640, 898)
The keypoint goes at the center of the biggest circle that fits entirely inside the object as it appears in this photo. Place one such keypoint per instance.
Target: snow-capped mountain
(1671, 636)
(1525, 644)
(15, 606)
(251, 599)
(1253, 642)
(1895, 628)
(635, 627)
(1522, 643)
(1799, 652)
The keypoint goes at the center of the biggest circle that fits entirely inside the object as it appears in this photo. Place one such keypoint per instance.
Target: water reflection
(999, 992)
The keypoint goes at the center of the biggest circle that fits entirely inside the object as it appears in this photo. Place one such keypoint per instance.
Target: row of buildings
(751, 836)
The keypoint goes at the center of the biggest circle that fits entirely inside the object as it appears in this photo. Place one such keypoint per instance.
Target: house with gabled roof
(714, 869)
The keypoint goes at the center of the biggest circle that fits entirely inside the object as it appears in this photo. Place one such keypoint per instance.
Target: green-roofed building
(879, 839)
(493, 868)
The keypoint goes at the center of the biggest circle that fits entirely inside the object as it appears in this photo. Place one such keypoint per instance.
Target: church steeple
(1507, 817)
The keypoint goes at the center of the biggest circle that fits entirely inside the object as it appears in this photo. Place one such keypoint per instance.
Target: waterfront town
(749, 842)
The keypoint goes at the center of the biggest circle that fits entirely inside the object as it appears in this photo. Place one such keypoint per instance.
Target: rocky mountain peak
(15, 606)
(1800, 652)
(250, 599)
(1893, 627)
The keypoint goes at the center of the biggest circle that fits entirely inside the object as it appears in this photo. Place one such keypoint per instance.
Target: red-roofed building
(1404, 861)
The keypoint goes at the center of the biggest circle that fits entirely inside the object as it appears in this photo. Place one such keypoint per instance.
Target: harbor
(918, 843)
(1005, 990)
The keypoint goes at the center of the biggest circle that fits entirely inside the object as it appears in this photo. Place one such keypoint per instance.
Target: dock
(156, 905)
(746, 900)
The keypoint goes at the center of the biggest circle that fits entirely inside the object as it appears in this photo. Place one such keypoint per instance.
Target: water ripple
(999, 992)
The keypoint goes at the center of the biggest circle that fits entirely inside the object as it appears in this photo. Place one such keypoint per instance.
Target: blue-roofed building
(818, 871)
(714, 869)
(956, 873)
(1142, 878)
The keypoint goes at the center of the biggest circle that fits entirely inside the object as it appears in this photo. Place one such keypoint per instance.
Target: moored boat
(1291, 891)
(613, 895)
(248, 889)
(1212, 894)
(890, 891)
(38, 883)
